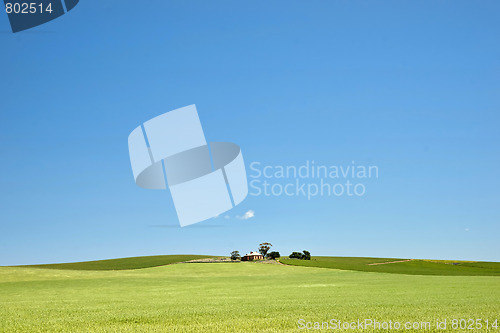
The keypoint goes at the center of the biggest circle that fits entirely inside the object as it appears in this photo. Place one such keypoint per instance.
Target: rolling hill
(122, 263)
(401, 266)
(118, 296)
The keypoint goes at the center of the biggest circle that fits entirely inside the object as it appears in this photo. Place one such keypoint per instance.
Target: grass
(122, 263)
(413, 267)
(232, 297)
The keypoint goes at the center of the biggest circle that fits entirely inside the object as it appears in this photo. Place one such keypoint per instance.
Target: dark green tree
(304, 255)
(235, 255)
(307, 255)
(273, 255)
(295, 255)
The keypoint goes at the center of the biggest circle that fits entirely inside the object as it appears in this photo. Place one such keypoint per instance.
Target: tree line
(273, 255)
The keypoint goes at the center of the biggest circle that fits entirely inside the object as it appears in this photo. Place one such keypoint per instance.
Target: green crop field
(401, 266)
(234, 297)
(123, 263)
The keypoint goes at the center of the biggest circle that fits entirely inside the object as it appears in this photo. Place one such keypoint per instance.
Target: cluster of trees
(304, 255)
(263, 249)
(273, 255)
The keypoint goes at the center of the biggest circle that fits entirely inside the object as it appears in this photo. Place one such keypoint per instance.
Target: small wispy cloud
(226, 216)
(177, 226)
(247, 215)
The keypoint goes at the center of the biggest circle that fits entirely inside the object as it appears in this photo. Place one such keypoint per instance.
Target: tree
(235, 255)
(273, 255)
(264, 248)
(307, 255)
(295, 255)
(304, 255)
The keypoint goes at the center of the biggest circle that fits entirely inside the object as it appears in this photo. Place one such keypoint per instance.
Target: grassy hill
(365, 264)
(122, 263)
(401, 266)
(228, 297)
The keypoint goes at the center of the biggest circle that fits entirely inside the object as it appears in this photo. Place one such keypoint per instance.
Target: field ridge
(123, 263)
(401, 266)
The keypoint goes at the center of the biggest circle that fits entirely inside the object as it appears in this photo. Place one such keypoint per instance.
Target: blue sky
(412, 87)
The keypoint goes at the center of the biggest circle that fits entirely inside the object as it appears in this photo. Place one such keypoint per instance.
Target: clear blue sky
(410, 86)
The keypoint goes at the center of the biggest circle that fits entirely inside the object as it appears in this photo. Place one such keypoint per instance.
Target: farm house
(252, 256)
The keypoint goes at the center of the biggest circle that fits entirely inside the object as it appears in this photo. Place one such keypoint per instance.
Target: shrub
(273, 255)
(304, 255)
(295, 255)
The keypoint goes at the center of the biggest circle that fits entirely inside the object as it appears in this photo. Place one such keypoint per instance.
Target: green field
(233, 297)
(414, 267)
(122, 263)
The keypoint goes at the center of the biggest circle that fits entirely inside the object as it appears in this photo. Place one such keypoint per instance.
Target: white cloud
(247, 215)
(227, 216)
